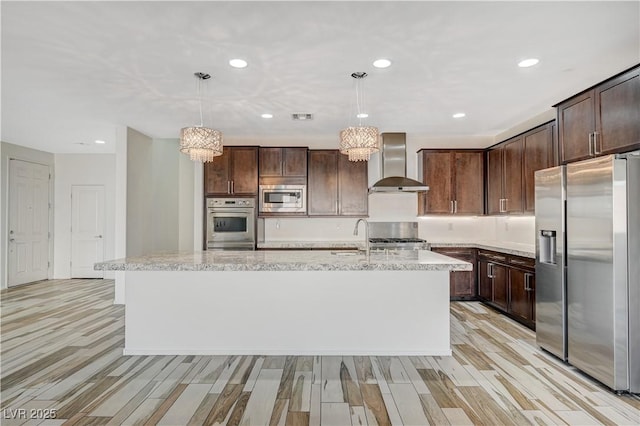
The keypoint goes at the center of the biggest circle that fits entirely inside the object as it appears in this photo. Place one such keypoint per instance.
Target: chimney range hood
(394, 167)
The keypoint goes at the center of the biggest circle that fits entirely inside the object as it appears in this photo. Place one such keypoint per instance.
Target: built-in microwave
(283, 199)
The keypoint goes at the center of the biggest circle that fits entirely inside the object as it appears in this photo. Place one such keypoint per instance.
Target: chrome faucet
(366, 236)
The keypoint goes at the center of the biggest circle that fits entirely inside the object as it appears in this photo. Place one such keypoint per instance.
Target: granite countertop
(516, 249)
(289, 260)
(311, 245)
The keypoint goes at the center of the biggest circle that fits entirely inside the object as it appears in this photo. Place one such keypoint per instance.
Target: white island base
(287, 313)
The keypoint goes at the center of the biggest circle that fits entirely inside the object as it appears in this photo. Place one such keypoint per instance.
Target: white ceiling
(73, 72)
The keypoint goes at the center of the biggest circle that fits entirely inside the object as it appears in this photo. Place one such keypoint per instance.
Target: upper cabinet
(510, 170)
(235, 172)
(283, 165)
(455, 179)
(538, 154)
(602, 120)
(337, 186)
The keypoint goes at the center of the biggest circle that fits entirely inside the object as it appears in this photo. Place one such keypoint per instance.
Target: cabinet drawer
(491, 255)
(522, 262)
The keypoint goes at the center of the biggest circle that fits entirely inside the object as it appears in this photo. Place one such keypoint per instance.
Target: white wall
(81, 169)
(165, 194)
(160, 196)
(9, 151)
(139, 194)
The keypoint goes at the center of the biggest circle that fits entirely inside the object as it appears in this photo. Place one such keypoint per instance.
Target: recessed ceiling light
(266, 115)
(362, 115)
(528, 62)
(238, 63)
(100, 142)
(381, 63)
(459, 115)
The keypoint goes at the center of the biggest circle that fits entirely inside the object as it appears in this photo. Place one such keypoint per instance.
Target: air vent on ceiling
(301, 117)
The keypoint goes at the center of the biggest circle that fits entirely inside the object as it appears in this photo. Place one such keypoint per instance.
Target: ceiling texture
(74, 72)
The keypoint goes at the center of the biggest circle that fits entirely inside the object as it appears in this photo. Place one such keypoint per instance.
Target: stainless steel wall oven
(231, 223)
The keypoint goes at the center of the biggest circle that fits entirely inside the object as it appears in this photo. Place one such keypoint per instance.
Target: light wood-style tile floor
(62, 356)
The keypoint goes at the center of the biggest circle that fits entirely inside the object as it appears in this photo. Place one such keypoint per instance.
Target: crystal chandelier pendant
(359, 142)
(201, 143)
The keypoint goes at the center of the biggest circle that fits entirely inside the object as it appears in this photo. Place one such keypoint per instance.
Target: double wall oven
(231, 223)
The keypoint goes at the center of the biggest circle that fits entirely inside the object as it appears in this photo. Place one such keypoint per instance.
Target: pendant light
(201, 143)
(359, 142)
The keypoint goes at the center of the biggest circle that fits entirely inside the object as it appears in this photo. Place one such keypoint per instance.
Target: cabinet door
(538, 151)
(352, 187)
(323, 183)
(437, 174)
(494, 180)
(294, 161)
(462, 284)
(469, 182)
(217, 174)
(513, 192)
(270, 162)
(576, 121)
(522, 294)
(485, 285)
(500, 290)
(618, 114)
(244, 167)
(518, 294)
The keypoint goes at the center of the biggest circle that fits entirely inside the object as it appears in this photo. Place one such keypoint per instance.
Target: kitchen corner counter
(515, 249)
(289, 260)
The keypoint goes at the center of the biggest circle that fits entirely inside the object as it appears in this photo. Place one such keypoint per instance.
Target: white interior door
(28, 222)
(87, 230)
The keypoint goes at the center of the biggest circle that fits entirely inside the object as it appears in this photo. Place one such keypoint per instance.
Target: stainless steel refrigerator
(588, 267)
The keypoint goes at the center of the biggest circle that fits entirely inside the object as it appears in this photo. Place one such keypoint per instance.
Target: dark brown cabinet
(504, 178)
(289, 163)
(235, 172)
(521, 294)
(455, 179)
(511, 167)
(462, 284)
(336, 186)
(508, 284)
(493, 283)
(537, 155)
(494, 181)
(602, 120)
(512, 176)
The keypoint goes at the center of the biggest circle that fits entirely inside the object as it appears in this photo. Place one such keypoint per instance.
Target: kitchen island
(287, 303)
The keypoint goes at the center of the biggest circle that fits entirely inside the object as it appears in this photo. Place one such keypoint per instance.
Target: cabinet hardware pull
(489, 270)
(455, 206)
(527, 281)
(519, 262)
(233, 190)
(591, 145)
(228, 187)
(451, 206)
(595, 144)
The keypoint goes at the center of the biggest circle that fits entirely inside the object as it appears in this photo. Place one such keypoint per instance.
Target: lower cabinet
(462, 284)
(522, 294)
(508, 284)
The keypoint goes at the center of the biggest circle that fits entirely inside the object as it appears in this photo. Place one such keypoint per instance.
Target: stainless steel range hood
(394, 167)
